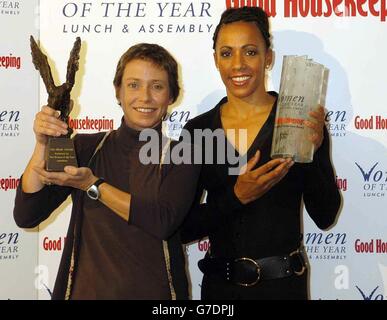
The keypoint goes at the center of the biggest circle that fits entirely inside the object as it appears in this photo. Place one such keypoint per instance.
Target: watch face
(93, 192)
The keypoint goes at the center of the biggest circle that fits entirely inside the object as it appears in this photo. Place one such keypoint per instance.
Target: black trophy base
(60, 153)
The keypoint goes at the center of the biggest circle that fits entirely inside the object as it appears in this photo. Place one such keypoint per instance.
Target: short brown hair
(156, 54)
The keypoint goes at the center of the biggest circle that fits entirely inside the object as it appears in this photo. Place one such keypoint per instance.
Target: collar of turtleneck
(129, 137)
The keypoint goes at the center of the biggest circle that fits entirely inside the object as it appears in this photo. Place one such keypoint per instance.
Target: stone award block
(302, 88)
(60, 151)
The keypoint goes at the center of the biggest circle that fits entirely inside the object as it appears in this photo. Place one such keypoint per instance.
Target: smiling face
(241, 57)
(144, 94)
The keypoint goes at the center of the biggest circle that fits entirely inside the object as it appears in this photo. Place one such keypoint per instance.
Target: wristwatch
(93, 191)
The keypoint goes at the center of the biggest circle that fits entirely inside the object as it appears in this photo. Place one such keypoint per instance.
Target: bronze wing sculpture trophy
(60, 150)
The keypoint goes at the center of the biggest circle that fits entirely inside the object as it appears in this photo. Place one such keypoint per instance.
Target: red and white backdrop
(348, 261)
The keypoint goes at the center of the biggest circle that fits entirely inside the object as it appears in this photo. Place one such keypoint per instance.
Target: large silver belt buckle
(299, 255)
(258, 270)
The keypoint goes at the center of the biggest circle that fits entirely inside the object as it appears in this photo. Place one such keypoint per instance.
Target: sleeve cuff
(137, 205)
(26, 195)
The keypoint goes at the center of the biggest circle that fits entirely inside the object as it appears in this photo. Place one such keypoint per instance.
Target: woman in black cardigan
(254, 220)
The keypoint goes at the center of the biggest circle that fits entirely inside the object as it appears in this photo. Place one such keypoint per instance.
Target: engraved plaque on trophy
(60, 151)
(302, 88)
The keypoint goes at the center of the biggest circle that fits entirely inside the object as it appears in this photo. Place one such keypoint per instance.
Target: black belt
(248, 271)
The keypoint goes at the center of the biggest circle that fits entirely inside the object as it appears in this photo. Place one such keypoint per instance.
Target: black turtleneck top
(114, 258)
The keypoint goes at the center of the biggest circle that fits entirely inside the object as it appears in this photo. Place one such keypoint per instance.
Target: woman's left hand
(79, 178)
(317, 125)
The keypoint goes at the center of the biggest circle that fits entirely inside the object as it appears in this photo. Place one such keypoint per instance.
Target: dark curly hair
(245, 14)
